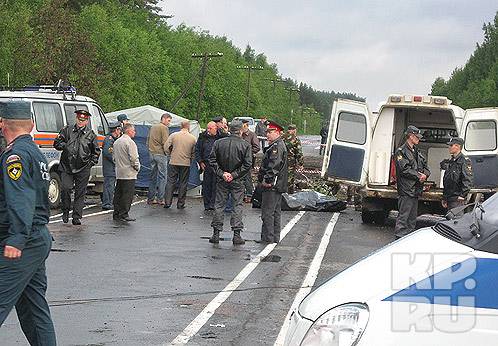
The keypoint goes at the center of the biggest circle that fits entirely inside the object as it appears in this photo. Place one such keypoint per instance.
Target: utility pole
(291, 90)
(249, 70)
(275, 81)
(205, 58)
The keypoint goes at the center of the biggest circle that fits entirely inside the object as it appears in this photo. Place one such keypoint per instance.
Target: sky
(371, 48)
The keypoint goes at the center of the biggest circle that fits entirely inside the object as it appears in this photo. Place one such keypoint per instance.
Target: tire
(380, 218)
(374, 217)
(367, 217)
(54, 190)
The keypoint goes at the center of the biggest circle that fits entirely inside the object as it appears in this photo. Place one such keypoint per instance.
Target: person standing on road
(324, 133)
(108, 165)
(158, 135)
(231, 160)
(294, 155)
(202, 152)
(411, 173)
(127, 168)
(222, 125)
(458, 177)
(80, 151)
(261, 132)
(25, 241)
(251, 138)
(180, 146)
(273, 179)
(123, 119)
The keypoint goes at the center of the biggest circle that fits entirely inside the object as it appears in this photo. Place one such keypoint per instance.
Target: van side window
(48, 117)
(480, 135)
(102, 126)
(98, 123)
(351, 128)
(69, 109)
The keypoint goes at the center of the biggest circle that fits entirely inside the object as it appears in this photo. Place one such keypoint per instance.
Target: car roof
(44, 96)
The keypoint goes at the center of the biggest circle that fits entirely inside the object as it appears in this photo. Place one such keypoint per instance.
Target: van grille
(447, 232)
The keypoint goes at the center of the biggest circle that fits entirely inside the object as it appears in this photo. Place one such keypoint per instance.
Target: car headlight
(340, 326)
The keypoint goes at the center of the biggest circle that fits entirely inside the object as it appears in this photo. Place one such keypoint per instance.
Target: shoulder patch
(12, 158)
(400, 157)
(14, 170)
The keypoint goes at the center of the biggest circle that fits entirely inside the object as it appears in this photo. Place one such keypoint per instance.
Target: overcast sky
(371, 48)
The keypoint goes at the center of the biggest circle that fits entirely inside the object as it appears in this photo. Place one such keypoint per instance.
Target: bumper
(298, 328)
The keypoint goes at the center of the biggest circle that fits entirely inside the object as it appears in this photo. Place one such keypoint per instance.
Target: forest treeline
(475, 84)
(124, 54)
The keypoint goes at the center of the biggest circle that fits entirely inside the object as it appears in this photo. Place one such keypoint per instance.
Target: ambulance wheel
(377, 217)
(367, 216)
(54, 190)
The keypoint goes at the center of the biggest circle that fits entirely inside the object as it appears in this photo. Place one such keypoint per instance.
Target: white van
(52, 108)
(360, 148)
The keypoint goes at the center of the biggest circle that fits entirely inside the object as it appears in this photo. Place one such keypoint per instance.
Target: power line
(249, 70)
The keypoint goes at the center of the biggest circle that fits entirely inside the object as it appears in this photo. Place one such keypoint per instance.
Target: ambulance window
(98, 123)
(352, 128)
(102, 125)
(69, 109)
(480, 136)
(48, 117)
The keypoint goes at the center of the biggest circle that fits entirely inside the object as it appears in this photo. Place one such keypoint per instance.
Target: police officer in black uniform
(458, 176)
(411, 173)
(108, 165)
(25, 241)
(80, 151)
(273, 179)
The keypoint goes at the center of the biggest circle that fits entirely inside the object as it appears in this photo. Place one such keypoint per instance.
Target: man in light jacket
(127, 167)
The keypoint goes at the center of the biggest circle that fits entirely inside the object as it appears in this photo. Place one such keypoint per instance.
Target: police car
(53, 107)
(436, 286)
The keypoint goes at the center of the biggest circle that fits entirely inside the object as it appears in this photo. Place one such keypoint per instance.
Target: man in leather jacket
(411, 173)
(80, 151)
(273, 176)
(458, 176)
(231, 160)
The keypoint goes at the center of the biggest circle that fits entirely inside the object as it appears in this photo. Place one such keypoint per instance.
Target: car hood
(385, 272)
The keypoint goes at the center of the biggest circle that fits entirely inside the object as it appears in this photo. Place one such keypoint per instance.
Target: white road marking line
(99, 213)
(87, 207)
(310, 278)
(201, 319)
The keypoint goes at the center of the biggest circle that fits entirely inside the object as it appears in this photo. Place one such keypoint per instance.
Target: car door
(348, 143)
(480, 131)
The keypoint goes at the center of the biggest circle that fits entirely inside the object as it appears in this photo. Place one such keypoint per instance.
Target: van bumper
(434, 195)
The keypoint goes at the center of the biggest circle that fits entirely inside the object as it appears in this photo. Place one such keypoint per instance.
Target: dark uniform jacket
(324, 133)
(24, 180)
(79, 148)
(233, 155)
(204, 146)
(108, 165)
(261, 129)
(3, 143)
(274, 166)
(457, 178)
(251, 138)
(409, 164)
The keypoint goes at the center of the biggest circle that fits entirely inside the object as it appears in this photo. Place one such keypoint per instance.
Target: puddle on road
(204, 277)
(63, 250)
(272, 258)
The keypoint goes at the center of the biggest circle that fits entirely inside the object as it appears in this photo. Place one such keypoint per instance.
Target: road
(144, 283)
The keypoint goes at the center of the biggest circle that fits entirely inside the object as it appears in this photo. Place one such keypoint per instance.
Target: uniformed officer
(25, 241)
(294, 155)
(458, 178)
(80, 151)
(123, 119)
(273, 179)
(411, 173)
(3, 143)
(108, 165)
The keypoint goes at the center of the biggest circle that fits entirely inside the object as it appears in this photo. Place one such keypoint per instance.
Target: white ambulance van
(52, 108)
(360, 148)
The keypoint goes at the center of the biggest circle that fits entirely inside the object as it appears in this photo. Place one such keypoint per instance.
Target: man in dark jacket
(458, 177)
(411, 173)
(231, 160)
(109, 166)
(261, 131)
(3, 143)
(80, 151)
(273, 179)
(251, 138)
(203, 149)
(324, 133)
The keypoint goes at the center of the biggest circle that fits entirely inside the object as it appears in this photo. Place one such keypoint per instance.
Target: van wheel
(367, 216)
(377, 217)
(54, 190)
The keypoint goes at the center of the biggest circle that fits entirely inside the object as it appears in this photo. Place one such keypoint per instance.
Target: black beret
(114, 125)
(217, 119)
(456, 140)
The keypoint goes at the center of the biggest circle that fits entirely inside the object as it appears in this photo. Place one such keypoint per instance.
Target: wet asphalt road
(143, 283)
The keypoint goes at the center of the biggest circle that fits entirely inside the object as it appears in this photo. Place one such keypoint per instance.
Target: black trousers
(271, 208)
(407, 215)
(180, 174)
(79, 181)
(209, 188)
(123, 197)
(223, 190)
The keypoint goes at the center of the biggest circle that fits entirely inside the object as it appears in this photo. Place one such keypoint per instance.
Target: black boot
(65, 217)
(237, 239)
(215, 238)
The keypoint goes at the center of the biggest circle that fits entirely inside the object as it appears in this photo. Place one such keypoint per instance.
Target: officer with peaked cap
(411, 174)
(273, 179)
(80, 151)
(108, 165)
(25, 241)
(458, 177)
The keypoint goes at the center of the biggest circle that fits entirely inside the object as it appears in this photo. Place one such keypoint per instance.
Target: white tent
(150, 115)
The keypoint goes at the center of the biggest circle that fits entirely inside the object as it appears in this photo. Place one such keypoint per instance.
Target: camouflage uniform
(294, 157)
